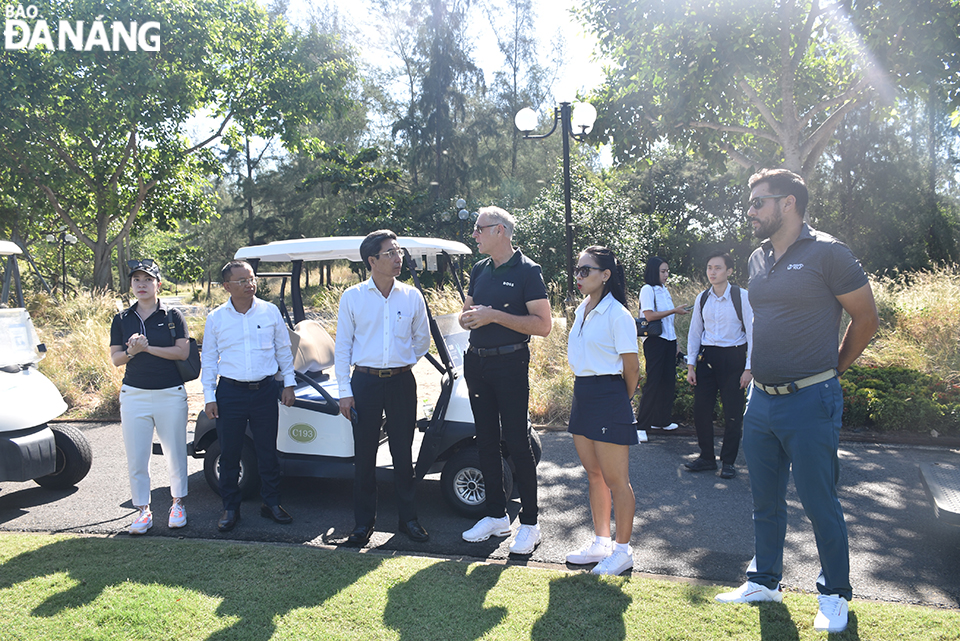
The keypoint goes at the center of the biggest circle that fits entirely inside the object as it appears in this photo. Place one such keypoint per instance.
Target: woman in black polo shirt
(152, 394)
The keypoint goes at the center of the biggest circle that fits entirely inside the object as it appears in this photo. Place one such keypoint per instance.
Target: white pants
(140, 411)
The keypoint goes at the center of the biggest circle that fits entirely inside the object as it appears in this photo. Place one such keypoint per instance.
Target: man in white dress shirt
(246, 343)
(382, 331)
(719, 343)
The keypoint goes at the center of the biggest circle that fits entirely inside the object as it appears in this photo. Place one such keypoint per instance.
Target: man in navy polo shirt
(801, 281)
(505, 305)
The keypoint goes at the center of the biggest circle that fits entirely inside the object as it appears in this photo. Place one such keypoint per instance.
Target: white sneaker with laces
(487, 527)
(751, 592)
(614, 565)
(178, 516)
(593, 553)
(666, 428)
(143, 522)
(527, 540)
(832, 615)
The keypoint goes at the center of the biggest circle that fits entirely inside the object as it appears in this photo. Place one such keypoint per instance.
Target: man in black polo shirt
(505, 305)
(801, 281)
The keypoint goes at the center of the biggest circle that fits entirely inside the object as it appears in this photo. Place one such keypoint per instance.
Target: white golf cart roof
(342, 248)
(7, 248)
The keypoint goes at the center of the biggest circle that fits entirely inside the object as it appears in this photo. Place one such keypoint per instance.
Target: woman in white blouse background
(602, 352)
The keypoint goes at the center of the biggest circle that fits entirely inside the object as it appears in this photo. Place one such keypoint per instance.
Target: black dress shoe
(728, 471)
(700, 465)
(360, 536)
(414, 530)
(228, 520)
(276, 513)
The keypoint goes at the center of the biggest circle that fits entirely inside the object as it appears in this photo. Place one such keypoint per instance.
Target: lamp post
(571, 117)
(63, 238)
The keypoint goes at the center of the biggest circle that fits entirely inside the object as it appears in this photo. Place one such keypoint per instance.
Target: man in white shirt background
(719, 345)
(382, 331)
(246, 343)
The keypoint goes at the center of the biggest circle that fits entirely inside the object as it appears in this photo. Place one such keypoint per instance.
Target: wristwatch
(129, 355)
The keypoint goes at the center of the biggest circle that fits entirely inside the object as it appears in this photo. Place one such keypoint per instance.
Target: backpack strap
(734, 296)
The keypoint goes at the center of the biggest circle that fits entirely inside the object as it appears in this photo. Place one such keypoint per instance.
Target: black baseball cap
(146, 265)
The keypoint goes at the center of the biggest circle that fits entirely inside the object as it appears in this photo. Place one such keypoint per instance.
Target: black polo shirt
(796, 314)
(146, 371)
(508, 288)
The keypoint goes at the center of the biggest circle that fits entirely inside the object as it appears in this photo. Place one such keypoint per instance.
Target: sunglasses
(584, 270)
(757, 203)
(478, 229)
(134, 265)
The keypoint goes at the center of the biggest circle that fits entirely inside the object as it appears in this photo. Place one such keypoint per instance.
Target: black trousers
(260, 407)
(397, 396)
(656, 399)
(718, 371)
(499, 396)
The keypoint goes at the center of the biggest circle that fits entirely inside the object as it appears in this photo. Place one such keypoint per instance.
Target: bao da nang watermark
(25, 29)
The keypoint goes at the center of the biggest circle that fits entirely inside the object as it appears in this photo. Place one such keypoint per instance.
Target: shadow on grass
(254, 584)
(444, 601)
(776, 624)
(569, 616)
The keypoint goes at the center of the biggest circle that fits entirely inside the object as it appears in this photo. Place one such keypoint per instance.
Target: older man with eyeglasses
(801, 281)
(505, 305)
(246, 343)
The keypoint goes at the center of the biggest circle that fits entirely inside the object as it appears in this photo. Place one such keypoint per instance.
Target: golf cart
(58, 456)
(314, 439)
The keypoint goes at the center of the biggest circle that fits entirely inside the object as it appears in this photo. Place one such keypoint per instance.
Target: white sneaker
(527, 540)
(143, 522)
(666, 428)
(615, 564)
(487, 527)
(751, 592)
(178, 516)
(832, 615)
(593, 553)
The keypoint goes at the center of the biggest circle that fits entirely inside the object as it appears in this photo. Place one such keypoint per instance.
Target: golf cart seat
(314, 351)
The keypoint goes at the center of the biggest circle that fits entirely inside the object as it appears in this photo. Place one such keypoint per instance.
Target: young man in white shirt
(382, 331)
(718, 361)
(246, 343)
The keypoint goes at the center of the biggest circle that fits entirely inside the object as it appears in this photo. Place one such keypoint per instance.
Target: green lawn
(72, 588)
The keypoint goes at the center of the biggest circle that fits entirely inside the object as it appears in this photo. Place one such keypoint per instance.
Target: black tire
(74, 458)
(249, 482)
(461, 482)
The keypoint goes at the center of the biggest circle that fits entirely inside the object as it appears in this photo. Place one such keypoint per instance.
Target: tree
(99, 130)
(759, 82)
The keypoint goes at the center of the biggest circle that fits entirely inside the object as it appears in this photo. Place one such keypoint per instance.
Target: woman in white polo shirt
(602, 352)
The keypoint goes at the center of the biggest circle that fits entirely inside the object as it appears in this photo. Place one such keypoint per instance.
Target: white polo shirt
(594, 344)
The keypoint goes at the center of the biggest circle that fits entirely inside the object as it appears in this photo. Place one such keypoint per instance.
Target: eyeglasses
(134, 265)
(584, 270)
(390, 253)
(478, 229)
(243, 282)
(757, 203)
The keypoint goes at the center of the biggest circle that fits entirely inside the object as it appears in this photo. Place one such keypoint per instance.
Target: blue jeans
(803, 430)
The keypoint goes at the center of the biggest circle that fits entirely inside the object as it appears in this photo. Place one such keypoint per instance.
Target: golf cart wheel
(249, 481)
(461, 482)
(74, 457)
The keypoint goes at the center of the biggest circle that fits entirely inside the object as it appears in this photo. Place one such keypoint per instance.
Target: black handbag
(190, 368)
(649, 328)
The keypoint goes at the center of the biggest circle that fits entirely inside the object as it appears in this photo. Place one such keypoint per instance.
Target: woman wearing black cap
(152, 395)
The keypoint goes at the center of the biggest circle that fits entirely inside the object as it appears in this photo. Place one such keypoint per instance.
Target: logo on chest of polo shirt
(795, 266)
(508, 284)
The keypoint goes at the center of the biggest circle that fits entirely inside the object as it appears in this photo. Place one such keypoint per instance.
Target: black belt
(483, 352)
(612, 377)
(382, 373)
(247, 384)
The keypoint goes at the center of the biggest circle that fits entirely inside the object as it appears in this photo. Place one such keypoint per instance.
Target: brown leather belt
(382, 373)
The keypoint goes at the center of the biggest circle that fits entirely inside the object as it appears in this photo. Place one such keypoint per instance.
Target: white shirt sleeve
(282, 348)
(695, 333)
(210, 359)
(343, 349)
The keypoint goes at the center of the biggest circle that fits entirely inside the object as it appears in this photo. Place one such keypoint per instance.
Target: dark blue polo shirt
(146, 371)
(796, 314)
(507, 288)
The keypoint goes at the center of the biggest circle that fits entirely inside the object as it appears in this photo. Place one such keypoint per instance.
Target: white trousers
(142, 410)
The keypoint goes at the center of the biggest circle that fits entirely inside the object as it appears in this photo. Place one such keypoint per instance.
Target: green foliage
(898, 399)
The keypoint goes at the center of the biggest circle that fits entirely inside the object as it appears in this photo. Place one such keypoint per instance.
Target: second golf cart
(314, 439)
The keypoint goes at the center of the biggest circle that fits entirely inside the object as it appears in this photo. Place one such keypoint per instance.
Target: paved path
(688, 525)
